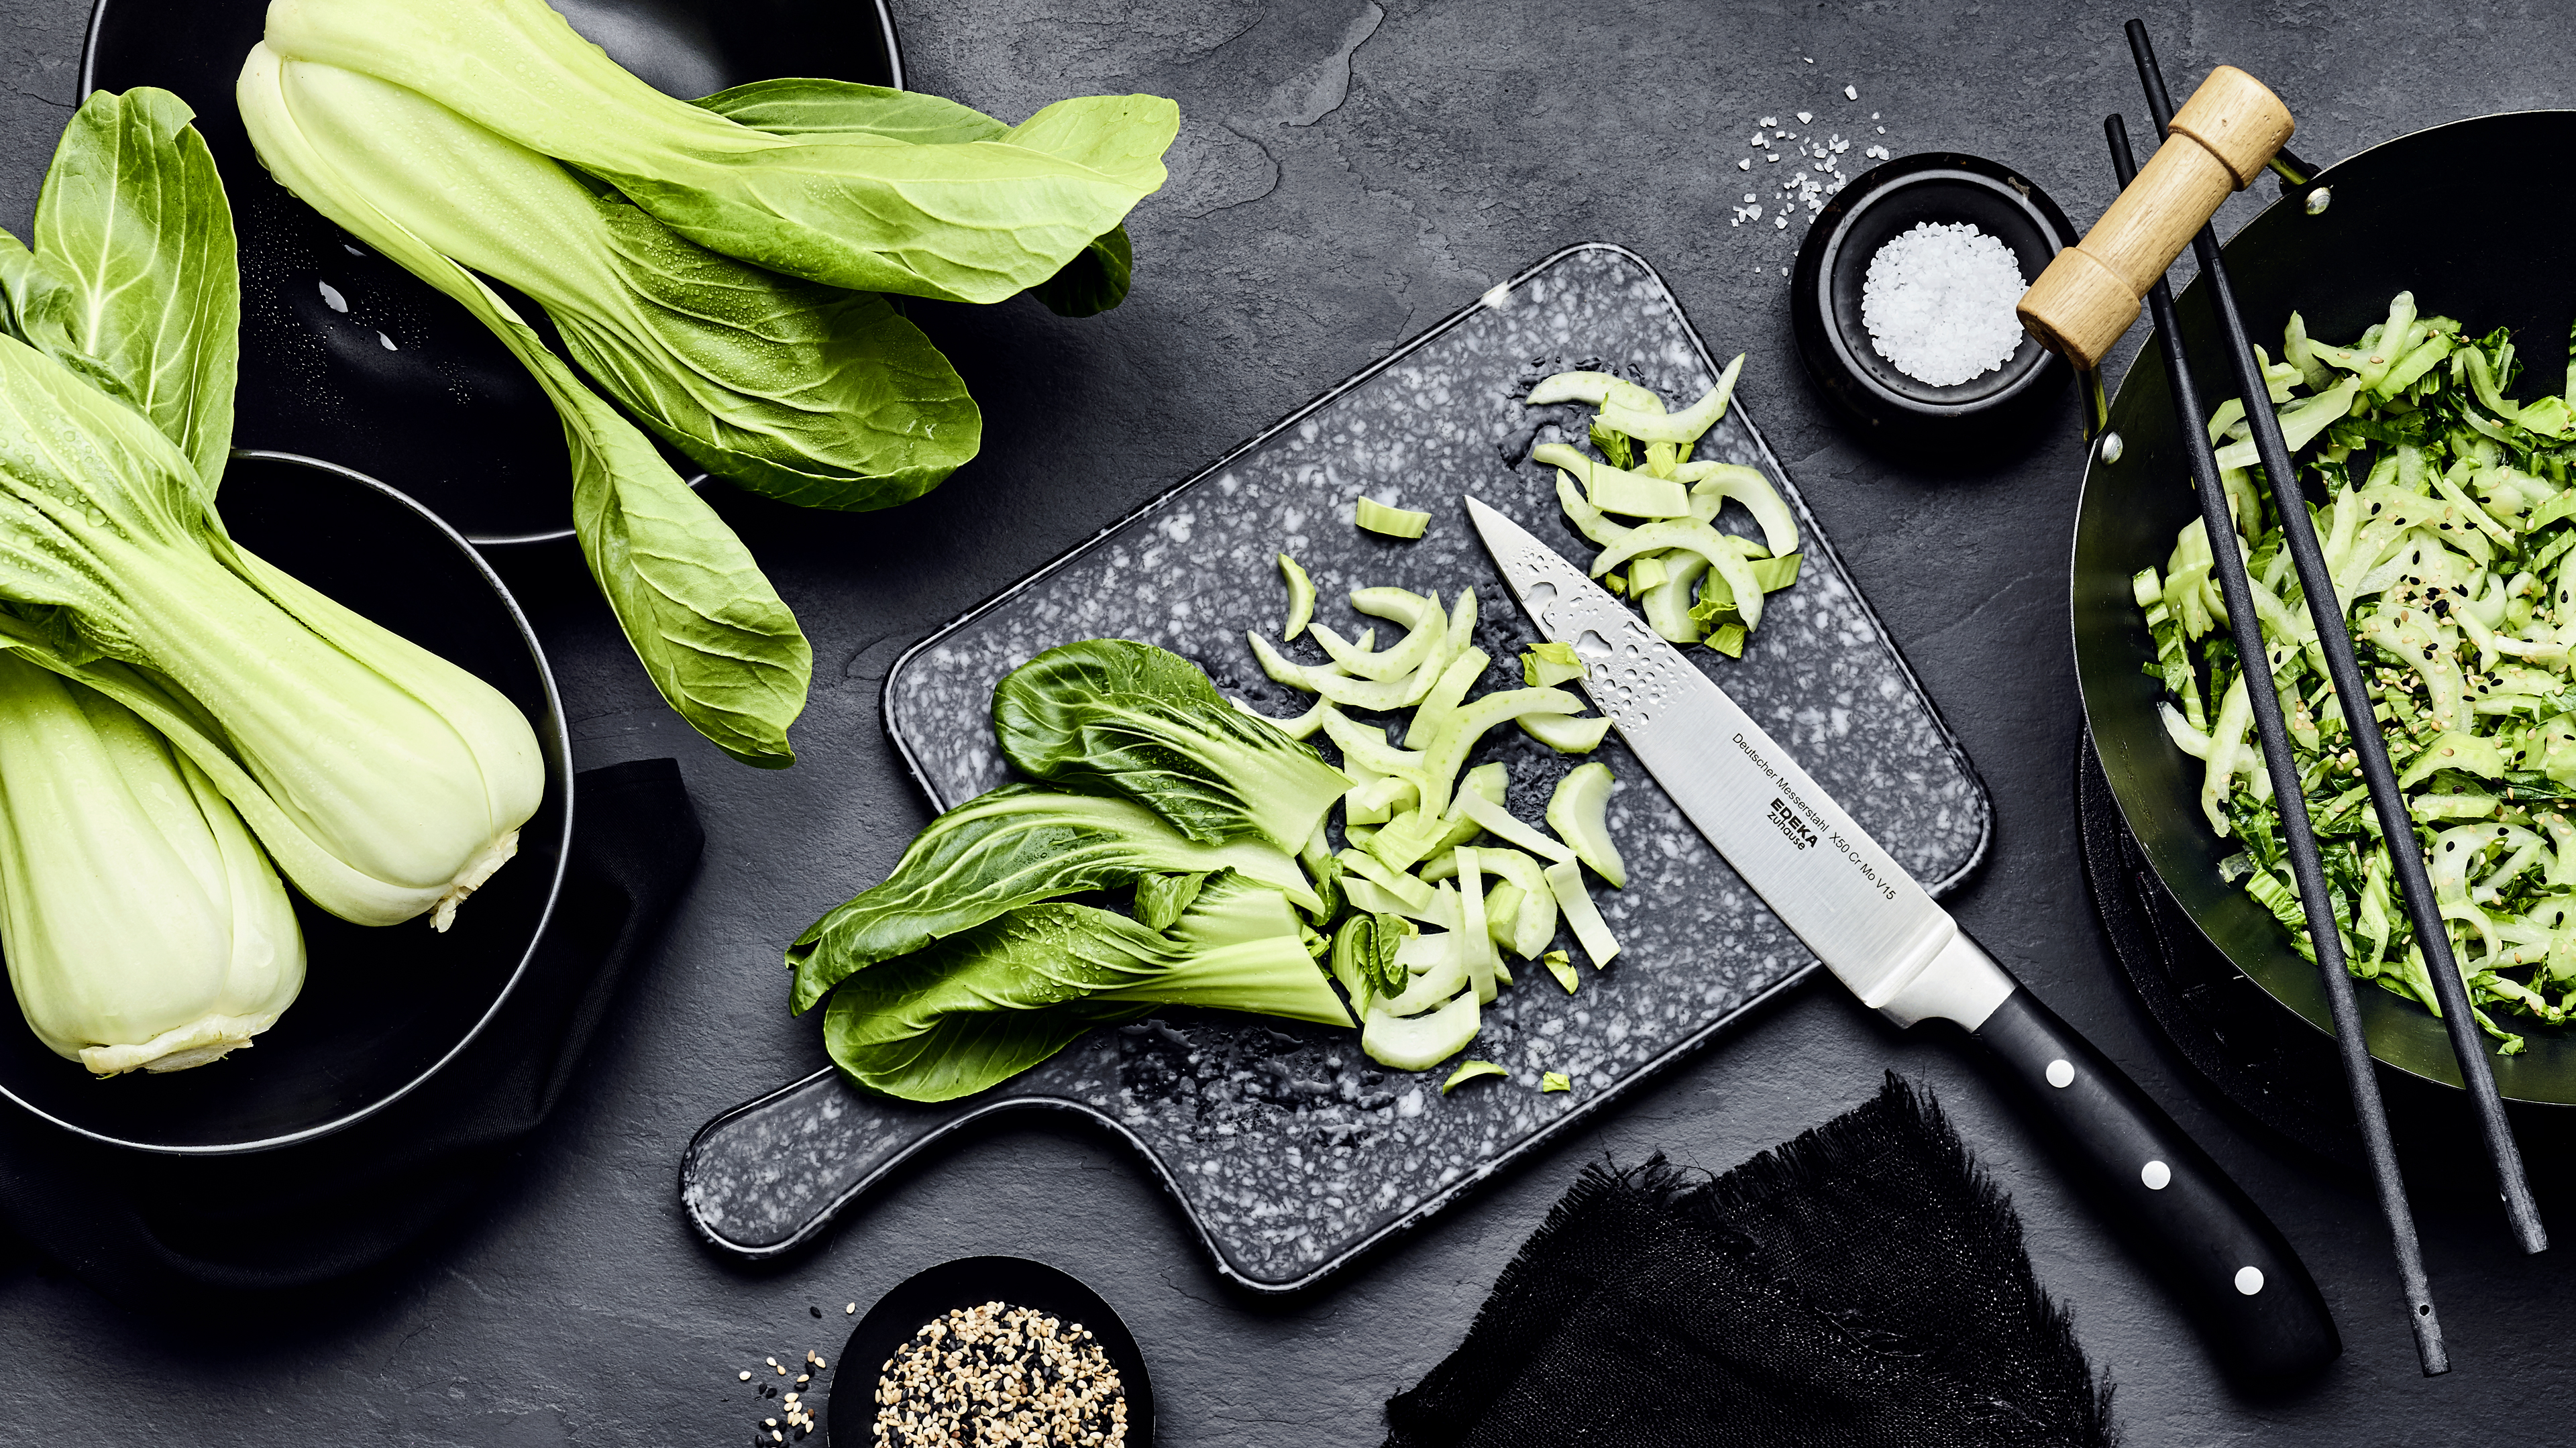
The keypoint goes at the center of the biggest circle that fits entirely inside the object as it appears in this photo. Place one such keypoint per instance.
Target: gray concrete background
(1348, 173)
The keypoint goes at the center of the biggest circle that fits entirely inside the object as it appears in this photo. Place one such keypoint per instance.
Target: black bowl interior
(345, 355)
(1942, 188)
(850, 1414)
(381, 1008)
(2488, 266)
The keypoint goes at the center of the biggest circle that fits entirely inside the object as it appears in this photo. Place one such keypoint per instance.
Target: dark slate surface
(1347, 175)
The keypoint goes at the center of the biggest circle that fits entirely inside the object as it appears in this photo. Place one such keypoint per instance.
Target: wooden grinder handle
(2218, 143)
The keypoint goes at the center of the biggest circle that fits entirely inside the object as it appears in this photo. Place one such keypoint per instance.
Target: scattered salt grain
(1805, 116)
(1744, 165)
(1938, 302)
(1851, 93)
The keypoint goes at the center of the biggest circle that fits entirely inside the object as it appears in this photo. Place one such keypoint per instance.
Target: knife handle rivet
(2061, 1074)
(2156, 1175)
(2249, 1280)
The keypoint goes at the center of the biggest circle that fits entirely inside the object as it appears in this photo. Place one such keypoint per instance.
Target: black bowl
(1942, 187)
(850, 1415)
(2488, 267)
(382, 1009)
(344, 354)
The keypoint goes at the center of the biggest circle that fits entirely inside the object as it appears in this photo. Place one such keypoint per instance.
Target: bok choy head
(979, 1007)
(385, 781)
(142, 926)
(807, 393)
(712, 634)
(956, 216)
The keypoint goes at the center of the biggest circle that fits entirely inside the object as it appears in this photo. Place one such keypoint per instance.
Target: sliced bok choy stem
(1377, 517)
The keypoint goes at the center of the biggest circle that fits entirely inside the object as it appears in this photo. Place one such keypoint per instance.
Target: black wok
(2403, 216)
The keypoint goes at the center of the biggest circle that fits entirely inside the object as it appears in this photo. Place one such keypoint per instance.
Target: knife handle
(2238, 1278)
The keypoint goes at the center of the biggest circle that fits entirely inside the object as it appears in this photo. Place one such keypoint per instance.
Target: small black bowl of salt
(1903, 301)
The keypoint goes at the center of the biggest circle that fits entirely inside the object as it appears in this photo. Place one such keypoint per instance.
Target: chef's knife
(1903, 955)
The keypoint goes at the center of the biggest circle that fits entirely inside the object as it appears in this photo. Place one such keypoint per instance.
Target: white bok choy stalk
(142, 925)
(386, 781)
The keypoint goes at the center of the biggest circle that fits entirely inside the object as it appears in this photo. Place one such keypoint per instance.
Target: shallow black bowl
(345, 355)
(850, 1415)
(2489, 267)
(382, 1009)
(1942, 187)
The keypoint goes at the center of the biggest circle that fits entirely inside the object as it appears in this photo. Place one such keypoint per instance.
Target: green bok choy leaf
(1093, 282)
(979, 1007)
(962, 217)
(1111, 716)
(1009, 847)
(142, 926)
(712, 634)
(806, 393)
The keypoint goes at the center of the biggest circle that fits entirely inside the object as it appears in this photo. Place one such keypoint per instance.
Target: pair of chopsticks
(2431, 932)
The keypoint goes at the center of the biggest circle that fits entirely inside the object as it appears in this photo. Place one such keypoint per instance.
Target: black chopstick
(2358, 1074)
(2352, 695)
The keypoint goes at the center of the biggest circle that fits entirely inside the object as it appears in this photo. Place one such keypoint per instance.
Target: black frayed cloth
(1863, 1285)
(164, 1232)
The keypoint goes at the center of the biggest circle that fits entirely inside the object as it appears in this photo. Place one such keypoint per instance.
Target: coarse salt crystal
(1744, 165)
(1770, 120)
(1851, 93)
(1805, 116)
(1938, 302)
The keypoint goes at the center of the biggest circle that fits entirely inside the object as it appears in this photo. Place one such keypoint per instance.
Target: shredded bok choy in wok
(2448, 521)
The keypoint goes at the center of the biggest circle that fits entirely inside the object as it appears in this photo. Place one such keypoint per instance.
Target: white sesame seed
(744, 1376)
(851, 1309)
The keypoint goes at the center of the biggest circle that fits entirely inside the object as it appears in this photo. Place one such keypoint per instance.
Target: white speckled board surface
(1290, 1151)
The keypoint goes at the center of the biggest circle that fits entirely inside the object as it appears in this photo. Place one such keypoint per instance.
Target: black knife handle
(2238, 1278)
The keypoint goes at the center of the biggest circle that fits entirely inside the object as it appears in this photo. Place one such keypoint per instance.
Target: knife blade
(1883, 936)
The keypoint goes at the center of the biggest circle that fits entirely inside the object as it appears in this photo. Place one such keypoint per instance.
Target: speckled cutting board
(1290, 1151)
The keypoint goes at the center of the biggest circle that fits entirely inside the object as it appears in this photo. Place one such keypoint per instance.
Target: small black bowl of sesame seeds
(981, 1344)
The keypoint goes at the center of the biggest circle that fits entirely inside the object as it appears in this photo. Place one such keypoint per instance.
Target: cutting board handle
(2219, 142)
(768, 1176)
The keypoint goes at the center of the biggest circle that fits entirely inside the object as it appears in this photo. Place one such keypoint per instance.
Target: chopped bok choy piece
(1550, 663)
(1377, 517)
(1565, 734)
(1301, 598)
(1581, 915)
(1468, 1071)
(1579, 813)
(1418, 1043)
